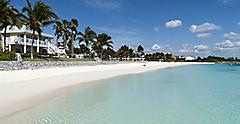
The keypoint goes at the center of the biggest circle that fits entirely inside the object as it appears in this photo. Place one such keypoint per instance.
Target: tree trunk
(72, 45)
(65, 40)
(1, 45)
(101, 56)
(32, 44)
(65, 43)
(89, 53)
(5, 38)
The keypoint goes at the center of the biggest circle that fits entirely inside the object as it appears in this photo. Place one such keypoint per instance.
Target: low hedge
(7, 56)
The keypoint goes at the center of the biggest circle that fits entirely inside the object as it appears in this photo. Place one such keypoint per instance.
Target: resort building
(190, 58)
(185, 58)
(20, 40)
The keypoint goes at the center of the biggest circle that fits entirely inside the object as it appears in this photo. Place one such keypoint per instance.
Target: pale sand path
(25, 88)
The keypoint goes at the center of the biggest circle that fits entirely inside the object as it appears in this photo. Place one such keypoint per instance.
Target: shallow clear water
(198, 94)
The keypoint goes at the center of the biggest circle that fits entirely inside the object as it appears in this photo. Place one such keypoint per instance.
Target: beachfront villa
(190, 58)
(185, 58)
(20, 40)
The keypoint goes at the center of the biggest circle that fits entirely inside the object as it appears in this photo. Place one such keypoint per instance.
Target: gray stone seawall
(30, 65)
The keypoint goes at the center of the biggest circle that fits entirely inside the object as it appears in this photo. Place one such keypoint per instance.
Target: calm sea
(196, 94)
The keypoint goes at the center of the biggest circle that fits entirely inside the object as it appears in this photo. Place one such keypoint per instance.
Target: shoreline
(29, 88)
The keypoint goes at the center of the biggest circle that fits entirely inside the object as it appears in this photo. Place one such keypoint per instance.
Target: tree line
(35, 17)
(40, 15)
(217, 59)
(89, 43)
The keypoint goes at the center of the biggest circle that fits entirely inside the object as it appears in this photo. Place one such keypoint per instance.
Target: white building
(190, 58)
(20, 40)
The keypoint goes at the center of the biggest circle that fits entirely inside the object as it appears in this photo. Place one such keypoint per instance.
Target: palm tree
(39, 16)
(66, 25)
(58, 29)
(103, 40)
(73, 26)
(108, 52)
(88, 36)
(140, 50)
(82, 49)
(9, 17)
(4, 10)
(123, 51)
(62, 30)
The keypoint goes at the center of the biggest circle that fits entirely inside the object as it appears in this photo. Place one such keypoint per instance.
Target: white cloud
(205, 27)
(203, 35)
(187, 48)
(232, 35)
(156, 47)
(227, 45)
(200, 48)
(109, 4)
(157, 29)
(174, 24)
(227, 1)
(162, 48)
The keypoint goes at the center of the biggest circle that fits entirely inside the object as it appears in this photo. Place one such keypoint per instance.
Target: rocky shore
(30, 65)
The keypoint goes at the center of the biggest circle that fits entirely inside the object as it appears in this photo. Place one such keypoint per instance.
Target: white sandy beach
(26, 88)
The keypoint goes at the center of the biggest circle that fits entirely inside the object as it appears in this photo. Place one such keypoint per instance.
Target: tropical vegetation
(37, 17)
(167, 57)
(88, 43)
(9, 16)
(7, 56)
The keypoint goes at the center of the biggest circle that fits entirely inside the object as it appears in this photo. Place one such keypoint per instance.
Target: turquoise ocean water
(196, 94)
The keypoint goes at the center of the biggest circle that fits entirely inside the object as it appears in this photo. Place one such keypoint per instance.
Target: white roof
(24, 29)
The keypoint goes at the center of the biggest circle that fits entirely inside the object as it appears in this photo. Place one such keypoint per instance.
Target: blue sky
(183, 27)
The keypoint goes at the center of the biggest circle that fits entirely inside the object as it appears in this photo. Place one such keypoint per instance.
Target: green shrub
(7, 56)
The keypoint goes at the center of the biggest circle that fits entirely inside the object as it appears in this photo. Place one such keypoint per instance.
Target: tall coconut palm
(62, 30)
(65, 27)
(83, 49)
(5, 8)
(140, 50)
(38, 16)
(103, 40)
(123, 51)
(87, 36)
(58, 30)
(107, 53)
(9, 17)
(73, 26)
